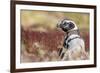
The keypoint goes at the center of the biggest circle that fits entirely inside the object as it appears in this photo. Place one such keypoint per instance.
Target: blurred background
(40, 37)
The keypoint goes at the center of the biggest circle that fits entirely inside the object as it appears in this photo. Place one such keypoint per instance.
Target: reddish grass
(50, 42)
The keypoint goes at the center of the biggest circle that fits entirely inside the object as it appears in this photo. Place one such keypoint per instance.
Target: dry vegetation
(40, 39)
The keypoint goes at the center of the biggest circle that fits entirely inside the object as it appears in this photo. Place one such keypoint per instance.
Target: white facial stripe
(67, 21)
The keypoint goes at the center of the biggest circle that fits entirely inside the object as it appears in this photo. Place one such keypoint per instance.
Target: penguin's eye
(65, 24)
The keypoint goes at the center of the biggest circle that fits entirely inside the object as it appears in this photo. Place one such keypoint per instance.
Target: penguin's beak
(58, 25)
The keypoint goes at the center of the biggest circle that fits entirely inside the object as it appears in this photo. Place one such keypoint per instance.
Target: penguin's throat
(73, 32)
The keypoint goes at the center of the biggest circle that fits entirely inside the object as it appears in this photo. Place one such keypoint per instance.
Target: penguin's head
(67, 25)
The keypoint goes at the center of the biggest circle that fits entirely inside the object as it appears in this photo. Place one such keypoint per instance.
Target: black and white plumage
(73, 46)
